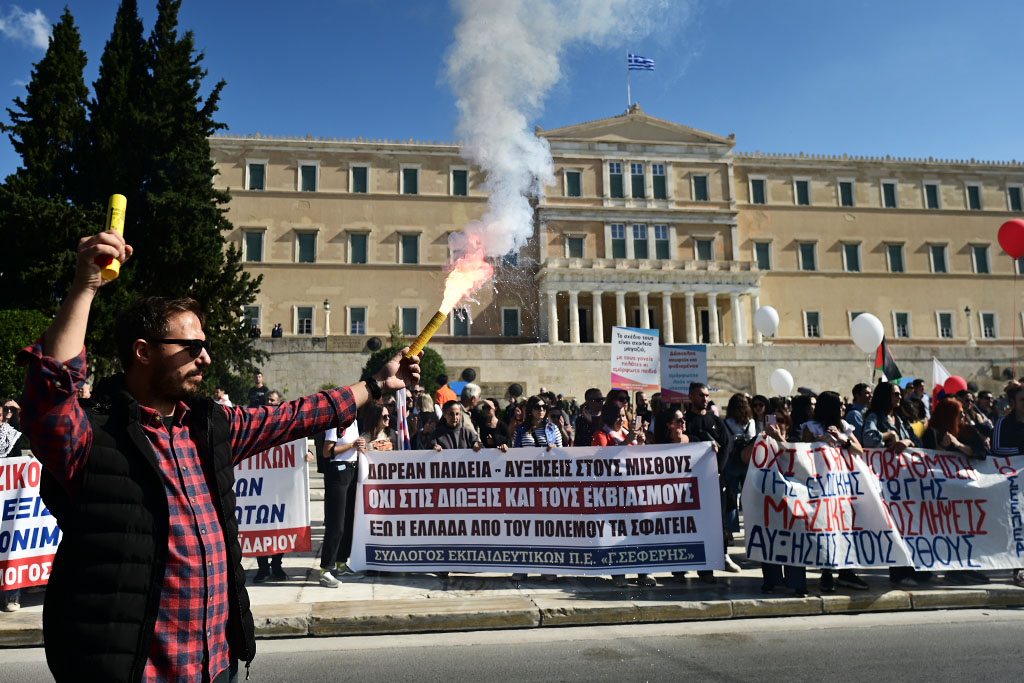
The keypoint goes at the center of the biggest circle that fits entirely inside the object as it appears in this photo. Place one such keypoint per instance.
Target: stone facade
(649, 224)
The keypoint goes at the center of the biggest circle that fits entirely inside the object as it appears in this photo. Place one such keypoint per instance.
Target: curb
(423, 615)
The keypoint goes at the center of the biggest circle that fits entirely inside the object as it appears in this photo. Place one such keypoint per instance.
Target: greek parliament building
(649, 224)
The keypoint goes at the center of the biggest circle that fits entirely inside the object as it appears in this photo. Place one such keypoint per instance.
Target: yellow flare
(115, 221)
(427, 333)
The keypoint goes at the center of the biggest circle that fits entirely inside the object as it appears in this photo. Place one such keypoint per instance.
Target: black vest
(104, 589)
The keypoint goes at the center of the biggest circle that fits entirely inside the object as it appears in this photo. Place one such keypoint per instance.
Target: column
(620, 309)
(691, 319)
(645, 319)
(755, 303)
(737, 320)
(598, 317)
(552, 317)
(667, 333)
(327, 321)
(574, 317)
(713, 318)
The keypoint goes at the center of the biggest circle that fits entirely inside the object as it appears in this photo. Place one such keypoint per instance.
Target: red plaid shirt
(189, 642)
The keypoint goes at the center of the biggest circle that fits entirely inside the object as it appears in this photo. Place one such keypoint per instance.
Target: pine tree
(39, 206)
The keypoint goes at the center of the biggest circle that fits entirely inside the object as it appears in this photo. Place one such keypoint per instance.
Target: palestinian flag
(886, 364)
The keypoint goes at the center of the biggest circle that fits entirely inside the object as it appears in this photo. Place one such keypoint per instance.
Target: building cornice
(847, 161)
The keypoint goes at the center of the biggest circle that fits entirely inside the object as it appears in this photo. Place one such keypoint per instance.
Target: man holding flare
(147, 582)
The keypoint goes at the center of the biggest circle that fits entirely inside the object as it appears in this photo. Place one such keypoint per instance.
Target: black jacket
(104, 589)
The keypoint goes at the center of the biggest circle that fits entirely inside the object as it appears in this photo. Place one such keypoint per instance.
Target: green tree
(431, 364)
(18, 329)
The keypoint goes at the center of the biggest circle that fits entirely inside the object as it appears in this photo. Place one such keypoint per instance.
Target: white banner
(594, 511)
(28, 533)
(818, 506)
(272, 501)
(636, 361)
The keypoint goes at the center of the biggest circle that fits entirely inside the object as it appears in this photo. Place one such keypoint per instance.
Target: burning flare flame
(471, 270)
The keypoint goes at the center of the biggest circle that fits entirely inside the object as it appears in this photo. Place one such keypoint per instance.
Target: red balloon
(954, 384)
(1011, 237)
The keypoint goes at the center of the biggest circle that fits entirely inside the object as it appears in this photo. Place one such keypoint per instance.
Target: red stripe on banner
(663, 495)
(274, 541)
(25, 572)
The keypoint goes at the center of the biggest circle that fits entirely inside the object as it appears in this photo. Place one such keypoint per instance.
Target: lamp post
(327, 318)
(970, 328)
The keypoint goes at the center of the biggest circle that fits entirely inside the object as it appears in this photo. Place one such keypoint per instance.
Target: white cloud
(31, 28)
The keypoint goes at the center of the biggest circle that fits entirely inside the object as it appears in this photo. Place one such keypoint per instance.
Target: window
(989, 326)
(700, 188)
(410, 180)
(409, 320)
(253, 246)
(640, 241)
(851, 258)
(357, 320)
(944, 319)
(659, 180)
(358, 247)
(636, 174)
(510, 260)
(808, 256)
(812, 324)
(615, 179)
(573, 184)
(757, 191)
(938, 254)
(763, 255)
(360, 179)
(309, 172)
(574, 247)
(802, 192)
(901, 324)
(853, 316)
(460, 322)
(256, 175)
(305, 247)
(889, 194)
(980, 253)
(251, 314)
(460, 182)
(662, 248)
(894, 252)
(304, 320)
(846, 193)
(974, 197)
(410, 248)
(1020, 266)
(705, 249)
(931, 196)
(510, 322)
(618, 241)
(1015, 198)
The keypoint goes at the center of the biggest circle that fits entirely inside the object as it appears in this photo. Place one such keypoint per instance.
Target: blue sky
(909, 78)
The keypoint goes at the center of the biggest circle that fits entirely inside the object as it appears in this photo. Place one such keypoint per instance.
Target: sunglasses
(195, 346)
(541, 406)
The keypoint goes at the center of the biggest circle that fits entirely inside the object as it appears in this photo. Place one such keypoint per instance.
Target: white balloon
(867, 332)
(782, 382)
(766, 320)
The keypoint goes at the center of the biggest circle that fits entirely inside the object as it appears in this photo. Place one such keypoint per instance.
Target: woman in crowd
(803, 411)
(493, 432)
(739, 420)
(613, 432)
(670, 427)
(536, 429)
(514, 416)
(424, 439)
(759, 406)
(380, 436)
(829, 427)
(773, 575)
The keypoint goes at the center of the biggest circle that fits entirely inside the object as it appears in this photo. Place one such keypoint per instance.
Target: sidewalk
(406, 603)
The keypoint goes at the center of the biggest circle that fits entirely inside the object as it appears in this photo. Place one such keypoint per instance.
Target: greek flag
(638, 63)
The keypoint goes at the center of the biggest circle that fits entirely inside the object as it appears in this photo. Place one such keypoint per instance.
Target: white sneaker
(12, 606)
(731, 566)
(327, 579)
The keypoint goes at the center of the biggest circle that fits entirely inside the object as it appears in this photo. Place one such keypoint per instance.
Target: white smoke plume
(505, 60)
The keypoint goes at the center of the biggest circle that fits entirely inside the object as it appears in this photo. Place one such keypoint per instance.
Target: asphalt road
(962, 645)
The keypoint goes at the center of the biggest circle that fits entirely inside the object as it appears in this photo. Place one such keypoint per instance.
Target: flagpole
(629, 95)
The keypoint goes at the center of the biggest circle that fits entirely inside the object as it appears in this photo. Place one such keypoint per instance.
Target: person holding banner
(147, 582)
(884, 427)
(340, 469)
(453, 432)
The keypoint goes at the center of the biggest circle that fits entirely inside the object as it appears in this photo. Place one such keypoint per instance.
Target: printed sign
(272, 501)
(818, 506)
(635, 359)
(595, 511)
(681, 365)
(28, 532)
